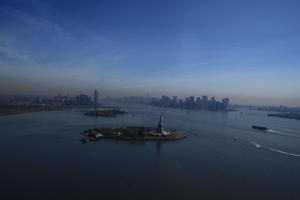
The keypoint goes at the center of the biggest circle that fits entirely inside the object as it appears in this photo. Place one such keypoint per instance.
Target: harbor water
(221, 158)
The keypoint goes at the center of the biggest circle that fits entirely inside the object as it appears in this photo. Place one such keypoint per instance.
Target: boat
(260, 128)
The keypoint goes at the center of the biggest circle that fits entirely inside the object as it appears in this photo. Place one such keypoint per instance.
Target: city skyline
(192, 103)
(245, 50)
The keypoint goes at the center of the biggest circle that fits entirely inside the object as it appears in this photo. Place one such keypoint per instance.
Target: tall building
(96, 99)
(192, 98)
(174, 99)
(213, 103)
(83, 99)
(204, 99)
(198, 103)
(225, 103)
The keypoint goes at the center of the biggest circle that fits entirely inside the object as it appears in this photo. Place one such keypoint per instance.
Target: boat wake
(274, 150)
(255, 144)
(282, 133)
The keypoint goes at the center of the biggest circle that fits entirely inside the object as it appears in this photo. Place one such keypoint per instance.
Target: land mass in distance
(16, 109)
(129, 133)
(286, 115)
(105, 113)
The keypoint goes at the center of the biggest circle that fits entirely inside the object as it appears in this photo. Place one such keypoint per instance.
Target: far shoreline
(6, 110)
(15, 110)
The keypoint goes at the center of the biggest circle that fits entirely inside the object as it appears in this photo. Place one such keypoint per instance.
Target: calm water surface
(222, 158)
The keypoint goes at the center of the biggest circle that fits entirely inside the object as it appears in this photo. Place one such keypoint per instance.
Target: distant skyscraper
(192, 98)
(213, 99)
(96, 98)
(225, 103)
(198, 103)
(213, 103)
(174, 99)
(83, 99)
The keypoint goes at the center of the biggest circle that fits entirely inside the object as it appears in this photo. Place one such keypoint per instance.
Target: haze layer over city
(243, 50)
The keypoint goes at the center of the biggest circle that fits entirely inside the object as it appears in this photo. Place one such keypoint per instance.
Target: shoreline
(128, 133)
(295, 116)
(14, 110)
(6, 110)
(105, 113)
(176, 137)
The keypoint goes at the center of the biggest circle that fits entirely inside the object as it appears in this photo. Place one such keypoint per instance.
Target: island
(132, 133)
(105, 113)
(286, 115)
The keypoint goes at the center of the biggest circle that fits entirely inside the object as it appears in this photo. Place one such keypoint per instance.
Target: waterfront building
(83, 99)
(213, 104)
(225, 103)
(192, 98)
(96, 99)
(204, 99)
(174, 101)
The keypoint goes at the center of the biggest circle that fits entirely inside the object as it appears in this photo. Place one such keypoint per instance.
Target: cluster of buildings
(191, 103)
(271, 108)
(20, 100)
(58, 100)
(81, 99)
(135, 99)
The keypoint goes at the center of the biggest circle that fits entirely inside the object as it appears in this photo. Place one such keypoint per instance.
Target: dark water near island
(222, 158)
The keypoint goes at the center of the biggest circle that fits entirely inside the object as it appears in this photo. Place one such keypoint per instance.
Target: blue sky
(245, 50)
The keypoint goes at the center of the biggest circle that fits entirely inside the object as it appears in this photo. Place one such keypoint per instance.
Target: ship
(260, 128)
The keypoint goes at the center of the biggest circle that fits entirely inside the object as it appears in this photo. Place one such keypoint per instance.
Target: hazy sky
(248, 51)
